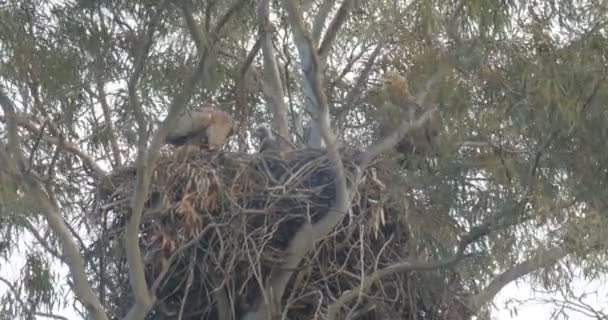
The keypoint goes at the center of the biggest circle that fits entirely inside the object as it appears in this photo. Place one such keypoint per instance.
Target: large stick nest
(216, 224)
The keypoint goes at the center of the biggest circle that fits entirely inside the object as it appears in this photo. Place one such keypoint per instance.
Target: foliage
(521, 95)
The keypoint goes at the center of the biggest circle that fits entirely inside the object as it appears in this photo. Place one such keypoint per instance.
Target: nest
(215, 225)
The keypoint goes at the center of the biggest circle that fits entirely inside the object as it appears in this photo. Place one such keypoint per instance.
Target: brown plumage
(268, 142)
(421, 141)
(397, 88)
(204, 127)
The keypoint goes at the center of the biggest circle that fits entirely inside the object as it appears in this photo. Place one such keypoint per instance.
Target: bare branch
(312, 82)
(274, 88)
(334, 26)
(355, 92)
(145, 162)
(225, 18)
(241, 91)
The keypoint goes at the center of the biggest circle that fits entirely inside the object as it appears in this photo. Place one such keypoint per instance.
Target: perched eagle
(422, 140)
(267, 141)
(205, 127)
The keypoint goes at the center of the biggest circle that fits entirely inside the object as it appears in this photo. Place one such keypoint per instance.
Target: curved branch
(542, 259)
(319, 22)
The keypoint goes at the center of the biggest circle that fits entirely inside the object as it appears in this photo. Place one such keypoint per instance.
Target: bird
(267, 140)
(419, 141)
(205, 127)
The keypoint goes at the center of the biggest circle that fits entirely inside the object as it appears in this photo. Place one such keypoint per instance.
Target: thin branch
(225, 18)
(137, 275)
(67, 146)
(195, 31)
(105, 107)
(24, 305)
(241, 91)
(356, 91)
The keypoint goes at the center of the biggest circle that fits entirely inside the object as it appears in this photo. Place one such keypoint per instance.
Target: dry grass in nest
(216, 224)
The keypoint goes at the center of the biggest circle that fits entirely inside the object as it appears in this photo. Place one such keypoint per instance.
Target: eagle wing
(191, 127)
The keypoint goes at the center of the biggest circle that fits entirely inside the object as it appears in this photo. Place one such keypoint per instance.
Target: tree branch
(108, 120)
(303, 241)
(15, 293)
(542, 259)
(67, 146)
(319, 22)
(334, 26)
(72, 257)
(146, 161)
(390, 141)
(411, 265)
(274, 89)
(355, 92)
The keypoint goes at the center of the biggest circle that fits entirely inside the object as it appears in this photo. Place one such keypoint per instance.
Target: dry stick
(82, 288)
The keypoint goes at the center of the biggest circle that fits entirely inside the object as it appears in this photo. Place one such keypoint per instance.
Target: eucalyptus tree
(516, 188)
